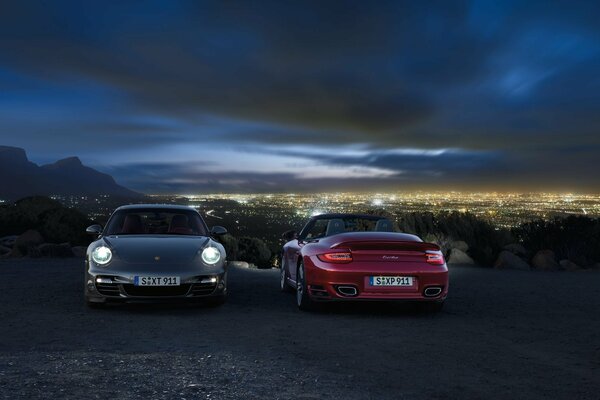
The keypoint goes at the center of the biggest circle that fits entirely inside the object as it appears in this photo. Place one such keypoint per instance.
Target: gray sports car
(155, 252)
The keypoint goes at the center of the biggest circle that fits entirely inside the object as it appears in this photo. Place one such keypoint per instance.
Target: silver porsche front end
(155, 268)
(142, 267)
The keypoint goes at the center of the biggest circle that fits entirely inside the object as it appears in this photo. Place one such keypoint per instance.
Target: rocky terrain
(515, 256)
(32, 244)
(503, 334)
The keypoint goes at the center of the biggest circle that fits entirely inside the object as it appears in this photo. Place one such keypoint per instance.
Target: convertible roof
(347, 215)
(165, 206)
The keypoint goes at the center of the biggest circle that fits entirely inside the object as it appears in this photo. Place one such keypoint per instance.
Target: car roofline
(347, 215)
(162, 206)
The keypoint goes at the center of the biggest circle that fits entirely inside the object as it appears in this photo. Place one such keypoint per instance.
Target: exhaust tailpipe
(432, 291)
(348, 291)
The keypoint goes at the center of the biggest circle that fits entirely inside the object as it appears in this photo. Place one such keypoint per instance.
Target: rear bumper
(327, 282)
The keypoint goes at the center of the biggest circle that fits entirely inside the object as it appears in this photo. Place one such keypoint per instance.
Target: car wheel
(283, 285)
(302, 298)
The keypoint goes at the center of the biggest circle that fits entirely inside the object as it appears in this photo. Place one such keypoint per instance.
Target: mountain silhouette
(20, 177)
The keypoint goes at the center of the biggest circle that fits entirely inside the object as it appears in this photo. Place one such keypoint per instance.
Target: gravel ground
(502, 334)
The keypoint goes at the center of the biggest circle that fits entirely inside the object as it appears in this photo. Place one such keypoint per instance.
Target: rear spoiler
(397, 245)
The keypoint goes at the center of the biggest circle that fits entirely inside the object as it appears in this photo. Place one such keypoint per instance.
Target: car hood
(137, 249)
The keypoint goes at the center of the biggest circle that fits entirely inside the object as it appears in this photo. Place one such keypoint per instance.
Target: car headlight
(211, 255)
(101, 255)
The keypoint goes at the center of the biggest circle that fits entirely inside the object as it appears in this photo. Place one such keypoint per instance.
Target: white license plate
(156, 281)
(391, 280)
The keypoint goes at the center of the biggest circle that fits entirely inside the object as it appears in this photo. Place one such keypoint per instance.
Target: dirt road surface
(502, 334)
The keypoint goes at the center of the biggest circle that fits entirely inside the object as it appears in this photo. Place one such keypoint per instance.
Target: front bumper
(105, 285)
(328, 282)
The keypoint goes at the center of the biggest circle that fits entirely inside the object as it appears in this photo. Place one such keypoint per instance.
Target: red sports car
(347, 257)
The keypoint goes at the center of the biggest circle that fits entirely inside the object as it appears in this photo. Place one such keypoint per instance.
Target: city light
(504, 210)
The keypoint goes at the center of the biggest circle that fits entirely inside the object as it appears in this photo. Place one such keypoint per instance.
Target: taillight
(335, 257)
(434, 257)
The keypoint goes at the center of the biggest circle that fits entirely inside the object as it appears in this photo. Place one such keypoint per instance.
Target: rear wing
(390, 245)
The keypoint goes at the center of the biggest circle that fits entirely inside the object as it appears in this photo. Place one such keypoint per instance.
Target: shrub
(231, 246)
(575, 238)
(55, 222)
(255, 251)
(484, 240)
(64, 225)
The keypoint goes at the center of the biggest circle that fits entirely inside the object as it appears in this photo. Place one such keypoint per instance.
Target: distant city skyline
(506, 210)
(243, 97)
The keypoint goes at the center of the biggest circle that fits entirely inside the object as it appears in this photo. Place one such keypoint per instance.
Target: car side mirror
(94, 229)
(289, 235)
(218, 231)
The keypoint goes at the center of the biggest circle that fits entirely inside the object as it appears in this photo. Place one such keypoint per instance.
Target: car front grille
(156, 291)
(108, 289)
(203, 289)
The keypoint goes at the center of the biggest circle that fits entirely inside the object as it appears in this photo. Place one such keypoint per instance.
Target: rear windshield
(156, 221)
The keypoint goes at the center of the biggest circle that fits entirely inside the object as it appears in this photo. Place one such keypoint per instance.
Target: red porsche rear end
(376, 266)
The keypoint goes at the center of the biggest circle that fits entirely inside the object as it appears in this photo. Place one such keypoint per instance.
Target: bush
(230, 243)
(255, 251)
(55, 222)
(484, 240)
(64, 225)
(575, 238)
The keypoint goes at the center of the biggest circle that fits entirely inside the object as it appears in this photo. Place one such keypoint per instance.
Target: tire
(283, 285)
(303, 300)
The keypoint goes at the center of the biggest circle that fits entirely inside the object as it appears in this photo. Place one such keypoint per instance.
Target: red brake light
(435, 257)
(335, 257)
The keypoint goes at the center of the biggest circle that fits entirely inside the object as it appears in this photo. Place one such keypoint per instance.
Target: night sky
(226, 96)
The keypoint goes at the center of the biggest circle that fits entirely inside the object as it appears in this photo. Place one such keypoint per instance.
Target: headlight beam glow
(211, 255)
(101, 255)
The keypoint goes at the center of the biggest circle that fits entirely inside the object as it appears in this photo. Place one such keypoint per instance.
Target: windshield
(156, 221)
(327, 226)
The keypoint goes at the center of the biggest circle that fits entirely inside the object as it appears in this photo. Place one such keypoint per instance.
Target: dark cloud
(325, 66)
(495, 79)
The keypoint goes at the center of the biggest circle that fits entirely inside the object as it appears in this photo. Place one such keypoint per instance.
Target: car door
(291, 251)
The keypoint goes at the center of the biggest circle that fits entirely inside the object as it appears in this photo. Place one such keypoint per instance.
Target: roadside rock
(8, 241)
(569, 265)
(26, 243)
(239, 264)
(79, 251)
(516, 248)
(4, 250)
(457, 256)
(460, 245)
(507, 260)
(55, 250)
(545, 260)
